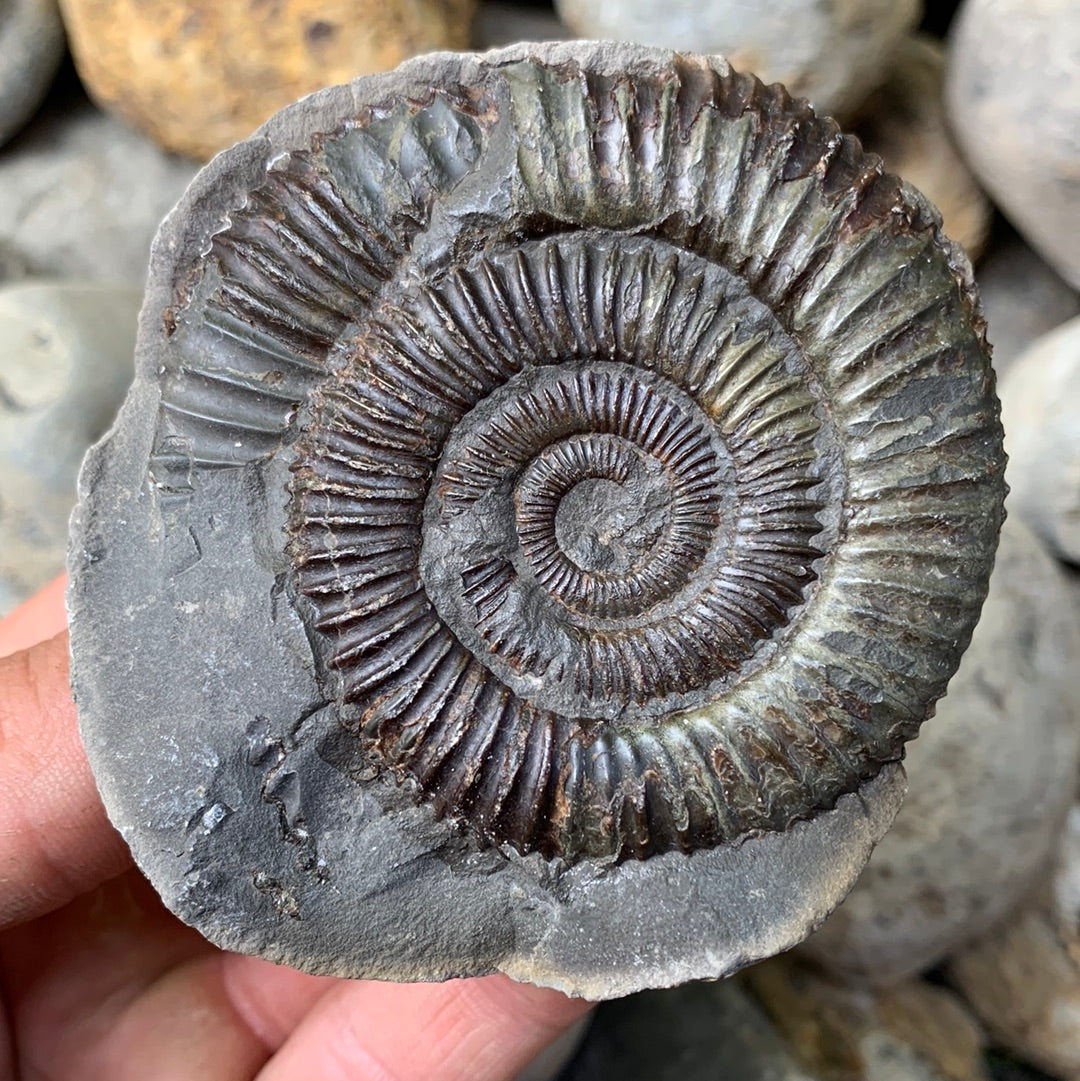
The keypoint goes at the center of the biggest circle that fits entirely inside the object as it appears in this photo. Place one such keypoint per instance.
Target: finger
(113, 988)
(35, 620)
(55, 840)
(271, 999)
(485, 1029)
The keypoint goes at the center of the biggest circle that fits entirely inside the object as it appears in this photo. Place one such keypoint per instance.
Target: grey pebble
(700, 1032)
(834, 54)
(31, 47)
(83, 195)
(65, 363)
(1022, 978)
(1040, 402)
(1012, 95)
(1022, 298)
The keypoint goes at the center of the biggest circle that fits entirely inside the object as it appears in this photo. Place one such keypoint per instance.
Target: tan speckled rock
(1013, 99)
(990, 779)
(1023, 979)
(834, 54)
(904, 122)
(1040, 402)
(198, 75)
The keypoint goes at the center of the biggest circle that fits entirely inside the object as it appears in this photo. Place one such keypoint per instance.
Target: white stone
(1013, 99)
(834, 54)
(1040, 408)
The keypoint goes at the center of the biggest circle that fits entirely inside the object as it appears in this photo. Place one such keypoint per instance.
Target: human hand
(100, 981)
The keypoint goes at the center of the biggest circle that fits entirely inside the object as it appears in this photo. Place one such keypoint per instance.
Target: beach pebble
(67, 361)
(698, 1032)
(31, 48)
(83, 196)
(833, 54)
(12, 266)
(1022, 297)
(990, 779)
(904, 122)
(914, 1031)
(1013, 100)
(1040, 403)
(1023, 979)
(199, 75)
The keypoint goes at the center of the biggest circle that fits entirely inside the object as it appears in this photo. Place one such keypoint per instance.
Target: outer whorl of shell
(650, 504)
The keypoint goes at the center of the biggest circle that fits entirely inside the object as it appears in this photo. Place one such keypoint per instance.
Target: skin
(99, 981)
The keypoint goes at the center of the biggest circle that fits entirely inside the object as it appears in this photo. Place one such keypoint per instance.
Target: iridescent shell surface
(621, 439)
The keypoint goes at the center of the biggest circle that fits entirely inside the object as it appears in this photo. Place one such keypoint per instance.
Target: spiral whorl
(637, 507)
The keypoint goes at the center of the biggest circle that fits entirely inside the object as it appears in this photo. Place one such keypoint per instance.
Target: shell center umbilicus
(607, 526)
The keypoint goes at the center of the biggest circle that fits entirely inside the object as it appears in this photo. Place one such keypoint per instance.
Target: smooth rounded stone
(1022, 298)
(12, 266)
(911, 1032)
(990, 779)
(1023, 978)
(431, 525)
(699, 1032)
(1013, 99)
(904, 122)
(66, 352)
(503, 24)
(31, 47)
(832, 54)
(1041, 405)
(199, 75)
(83, 196)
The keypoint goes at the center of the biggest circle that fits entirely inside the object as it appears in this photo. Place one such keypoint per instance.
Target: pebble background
(980, 881)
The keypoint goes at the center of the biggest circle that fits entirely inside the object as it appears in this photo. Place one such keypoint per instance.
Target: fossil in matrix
(557, 484)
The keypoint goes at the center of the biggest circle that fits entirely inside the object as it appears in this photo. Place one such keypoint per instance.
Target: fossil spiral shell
(643, 504)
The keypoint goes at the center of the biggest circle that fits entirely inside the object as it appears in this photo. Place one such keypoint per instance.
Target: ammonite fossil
(557, 484)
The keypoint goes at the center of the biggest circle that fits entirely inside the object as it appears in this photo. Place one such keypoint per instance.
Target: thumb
(39, 618)
(55, 840)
